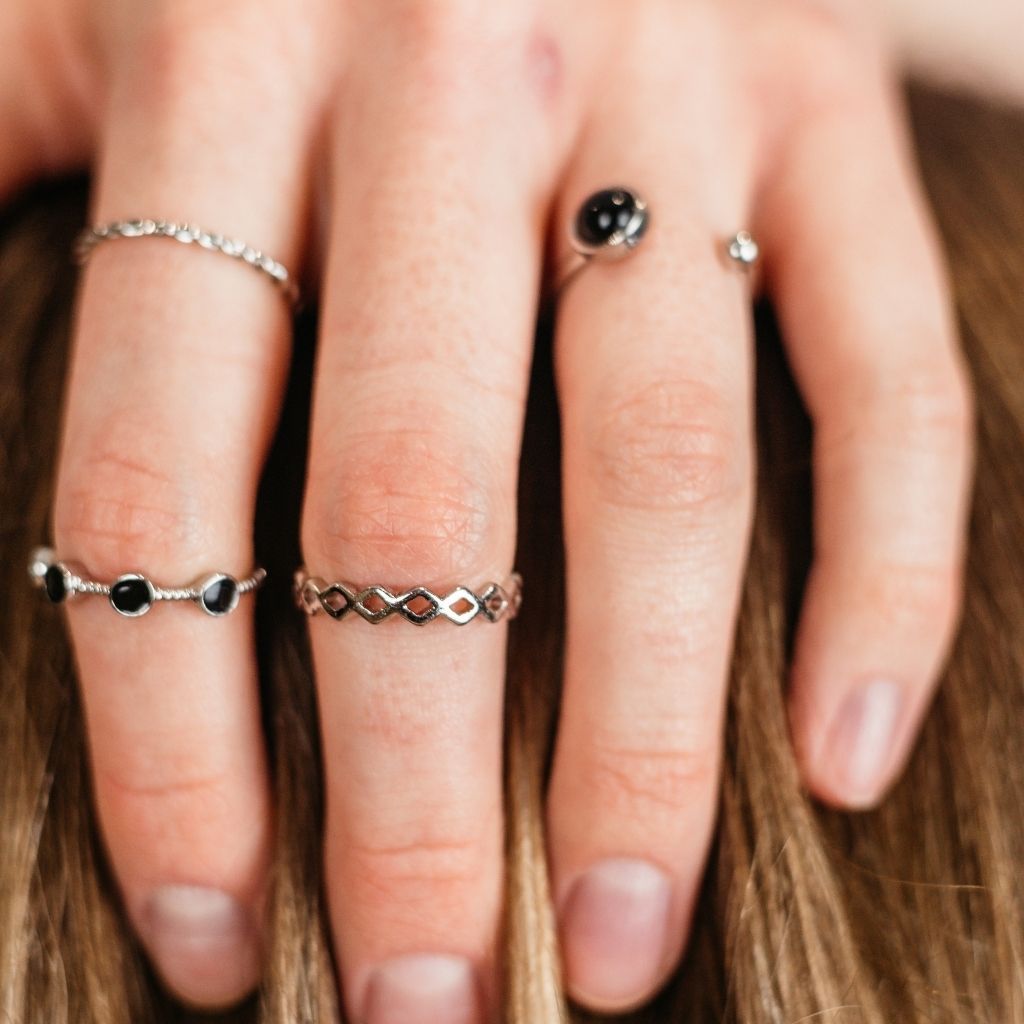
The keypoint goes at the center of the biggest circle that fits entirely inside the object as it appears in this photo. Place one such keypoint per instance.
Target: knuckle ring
(494, 602)
(133, 594)
(188, 234)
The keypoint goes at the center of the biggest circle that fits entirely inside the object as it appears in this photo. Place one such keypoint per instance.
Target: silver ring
(417, 605)
(188, 234)
(743, 250)
(608, 225)
(133, 594)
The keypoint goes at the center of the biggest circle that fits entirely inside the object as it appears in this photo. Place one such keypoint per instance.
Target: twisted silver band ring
(417, 605)
(133, 594)
(188, 234)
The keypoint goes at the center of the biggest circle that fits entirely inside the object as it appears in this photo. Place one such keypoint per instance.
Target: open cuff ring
(611, 224)
(133, 594)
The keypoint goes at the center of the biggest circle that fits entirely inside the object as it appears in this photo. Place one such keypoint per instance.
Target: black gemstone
(56, 589)
(220, 595)
(131, 595)
(604, 214)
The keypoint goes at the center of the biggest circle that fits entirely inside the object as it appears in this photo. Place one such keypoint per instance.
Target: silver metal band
(188, 234)
(417, 605)
(133, 594)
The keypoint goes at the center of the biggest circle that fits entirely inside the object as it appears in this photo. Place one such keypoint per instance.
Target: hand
(450, 134)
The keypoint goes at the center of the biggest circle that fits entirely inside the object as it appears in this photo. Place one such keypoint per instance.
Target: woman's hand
(448, 135)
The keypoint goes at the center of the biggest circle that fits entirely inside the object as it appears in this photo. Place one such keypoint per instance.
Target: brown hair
(911, 913)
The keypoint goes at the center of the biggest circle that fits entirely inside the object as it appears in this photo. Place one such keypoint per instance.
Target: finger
(654, 375)
(856, 272)
(419, 401)
(49, 92)
(178, 366)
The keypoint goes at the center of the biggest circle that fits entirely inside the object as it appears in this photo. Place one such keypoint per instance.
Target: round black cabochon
(605, 214)
(220, 595)
(131, 596)
(56, 588)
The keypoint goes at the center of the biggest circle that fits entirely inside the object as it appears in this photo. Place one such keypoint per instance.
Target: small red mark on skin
(545, 66)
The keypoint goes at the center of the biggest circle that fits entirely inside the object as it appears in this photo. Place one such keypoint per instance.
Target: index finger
(177, 372)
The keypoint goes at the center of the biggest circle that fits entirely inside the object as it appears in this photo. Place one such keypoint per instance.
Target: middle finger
(420, 390)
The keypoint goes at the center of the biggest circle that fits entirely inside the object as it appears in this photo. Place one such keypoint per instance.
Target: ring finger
(654, 364)
(654, 375)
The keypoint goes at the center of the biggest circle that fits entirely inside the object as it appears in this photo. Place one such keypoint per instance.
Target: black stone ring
(133, 594)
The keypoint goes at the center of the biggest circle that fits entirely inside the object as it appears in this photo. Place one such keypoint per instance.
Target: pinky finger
(857, 276)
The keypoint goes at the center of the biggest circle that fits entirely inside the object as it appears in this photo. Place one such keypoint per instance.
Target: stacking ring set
(609, 225)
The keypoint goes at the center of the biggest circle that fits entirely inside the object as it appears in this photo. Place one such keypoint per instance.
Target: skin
(427, 149)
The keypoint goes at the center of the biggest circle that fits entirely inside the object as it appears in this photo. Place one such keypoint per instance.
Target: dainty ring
(188, 234)
(609, 225)
(418, 605)
(133, 594)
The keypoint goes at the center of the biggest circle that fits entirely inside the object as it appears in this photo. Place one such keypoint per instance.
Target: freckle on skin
(545, 66)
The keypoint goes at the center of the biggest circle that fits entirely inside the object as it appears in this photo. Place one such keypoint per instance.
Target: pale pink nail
(202, 943)
(615, 932)
(861, 742)
(423, 989)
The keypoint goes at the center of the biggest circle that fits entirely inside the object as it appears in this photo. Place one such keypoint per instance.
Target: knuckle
(818, 55)
(182, 51)
(644, 782)
(696, 636)
(921, 600)
(172, 819)
(443, 25)
(935, 405)
(427, 876)
(404, 505)
(668, 445)
(156, 789)
(57, 125)
(170, 45)
(820, 33)
(925, 409)
(119, 505)
(446, 50)
(426, 863)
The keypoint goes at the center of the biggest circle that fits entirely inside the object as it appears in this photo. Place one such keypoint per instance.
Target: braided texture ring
(418, 605)
(188, 234)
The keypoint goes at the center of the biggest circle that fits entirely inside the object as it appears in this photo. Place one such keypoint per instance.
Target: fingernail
(615, 933)
(423, 989)
(202, 943)
(861, 740)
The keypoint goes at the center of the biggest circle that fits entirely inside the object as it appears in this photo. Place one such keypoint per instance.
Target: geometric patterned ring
(418, 605)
